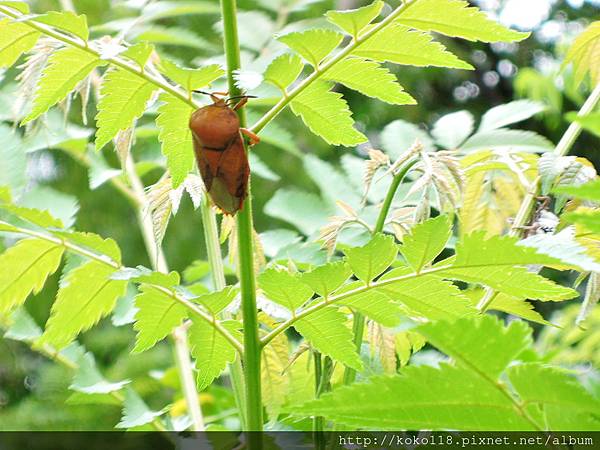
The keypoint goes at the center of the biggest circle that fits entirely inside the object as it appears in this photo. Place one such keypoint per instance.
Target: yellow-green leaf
(369, 78)
(15, 39)
(457, 19)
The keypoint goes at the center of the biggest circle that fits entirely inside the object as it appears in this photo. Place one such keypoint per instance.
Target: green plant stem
(252, 347)
(358, 326)
(215, 261)
(159, 263)
(317, 420)
(107, 260)
(328, 64)
(156, 79)
(562, 149)
(391, 193)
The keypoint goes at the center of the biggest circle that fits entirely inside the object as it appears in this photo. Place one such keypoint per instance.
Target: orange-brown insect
(220, 153)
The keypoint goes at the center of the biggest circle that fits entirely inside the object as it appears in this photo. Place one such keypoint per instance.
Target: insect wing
(230, 184)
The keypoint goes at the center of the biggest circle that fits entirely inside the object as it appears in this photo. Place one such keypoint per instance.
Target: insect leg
(253, 137)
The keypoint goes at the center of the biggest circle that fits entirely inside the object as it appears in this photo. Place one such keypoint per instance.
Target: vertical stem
(358, 327)
(317, 420)
(562, 149)
(215, 261)
(252, 349)
(159, 263)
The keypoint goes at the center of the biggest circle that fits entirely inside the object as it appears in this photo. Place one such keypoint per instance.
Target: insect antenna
(237, 97)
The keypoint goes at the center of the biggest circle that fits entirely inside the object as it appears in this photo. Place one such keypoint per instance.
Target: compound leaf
(284, 70)
(15, 39)
(457, 19)
(313, 45)
(353, 21)
(123, 99)
(327, 115)
(284, 288)
(426, 241)
(86, 295)
(175, 137)
(370, 79)
(24, 268)
(370, 260)
(66, 68)
(326, 331)
(157, 315)
(417, 49)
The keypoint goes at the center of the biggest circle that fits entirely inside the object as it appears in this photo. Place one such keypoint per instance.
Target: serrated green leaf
(588, 191)
(274, 380)
(327, 115)
(426, 296)
(86, 295)
(370, 260)
(326, 279)
(24, 268)
(326, 331)
(426, 241)
(369, 78)
(417, 49)
(421, 397)
(373, 304)
(468, 341)
(504, 272)
(284, 288)
(139, 53)
(505, 139)
(585, 54)
(314, 44)
(353, 21)
(88, 379)
(211, 350)
(93, 242)
(457, 19)
(123, 99)
(509, 113)
(284, 70)
(192, 79)
(453, 129)
(516, 307)
(135, 411)
(157, 315)
(175, 137)
(22, 7)
(41, 218)
(558, 388)
(216, 302)
(66, 21)
(66, 68)
(15, 39)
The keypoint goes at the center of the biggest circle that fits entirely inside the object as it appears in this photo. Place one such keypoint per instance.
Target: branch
(328, 64)
(562, 149)
(104, 259)
(338, 298)
(159, 82)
